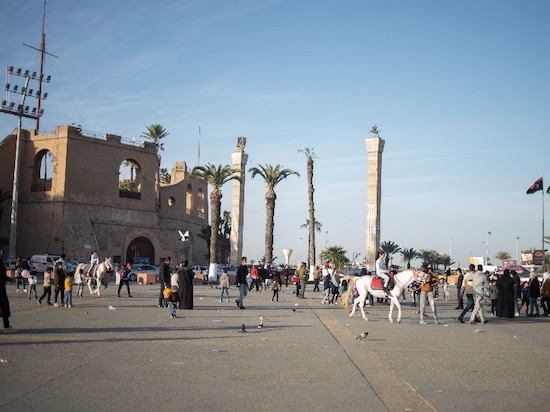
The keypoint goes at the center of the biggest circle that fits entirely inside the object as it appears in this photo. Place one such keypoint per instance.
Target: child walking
(33, 280)
(79, 280)
(69, 291)
(224, 285)
(275, 289)
(47, 287)
(173, 299)
(326, 289)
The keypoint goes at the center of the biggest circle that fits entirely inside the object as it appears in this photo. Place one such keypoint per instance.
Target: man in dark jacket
(458, 287)
(4, 302)
(242, 273)
(164, 280)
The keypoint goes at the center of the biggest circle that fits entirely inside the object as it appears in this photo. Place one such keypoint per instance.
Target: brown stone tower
(375, 147)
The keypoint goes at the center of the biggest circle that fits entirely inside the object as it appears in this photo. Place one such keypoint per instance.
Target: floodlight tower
(20, 110)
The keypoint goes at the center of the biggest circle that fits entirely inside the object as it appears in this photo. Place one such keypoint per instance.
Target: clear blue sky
(459, 89)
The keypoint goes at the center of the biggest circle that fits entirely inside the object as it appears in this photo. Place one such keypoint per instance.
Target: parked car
(150, 269)
(71, 266)
(40, 263)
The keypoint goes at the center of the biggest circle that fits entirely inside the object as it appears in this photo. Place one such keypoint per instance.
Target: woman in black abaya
(505, 295)
(185, 286)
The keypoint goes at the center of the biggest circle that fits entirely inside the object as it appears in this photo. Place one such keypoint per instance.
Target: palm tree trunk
(215, 206)
(310, 190)
(270, 198)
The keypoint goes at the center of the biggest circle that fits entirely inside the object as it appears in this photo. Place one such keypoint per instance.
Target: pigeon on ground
(243, 328)
(294, 309)
(362, 335)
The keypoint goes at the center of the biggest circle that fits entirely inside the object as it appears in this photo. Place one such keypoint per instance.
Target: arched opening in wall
(139, 250)
(130, 179)
(201, 206)
(189, 200)
(43, 171)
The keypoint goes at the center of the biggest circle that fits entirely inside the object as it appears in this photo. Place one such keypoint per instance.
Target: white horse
(364, 286)
(100, 276)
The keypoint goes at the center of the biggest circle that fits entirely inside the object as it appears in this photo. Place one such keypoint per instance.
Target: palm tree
(155, 133)
(310, 155)
(317, 225)
(272, 175)
(215, 176)
(390, 248)
(165, 177)
(502, 256)
(429, 257)
(408, 255)
(336, 255)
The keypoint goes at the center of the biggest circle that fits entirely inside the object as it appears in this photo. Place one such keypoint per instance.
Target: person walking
(79, 281)
(164, 280)
(47, 287)
(427, 293)
(459, 280)
(534, 295)
(59, 284)
(173, 299)
(517, 291)
(68, 286)
(19, 278)
(224, 285)
(505, 295)
(124, 273)
(545, 294)
(4, 301)
(33, 280)
(242, 273)
(481, 289)
(185, 286)
(316, 278)
(468, 289)
(275, 289)
(302, 278)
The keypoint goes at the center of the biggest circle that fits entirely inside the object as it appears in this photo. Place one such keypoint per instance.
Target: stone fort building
(78, 193)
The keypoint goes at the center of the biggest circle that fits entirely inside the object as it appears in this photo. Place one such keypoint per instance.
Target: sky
(459, 90)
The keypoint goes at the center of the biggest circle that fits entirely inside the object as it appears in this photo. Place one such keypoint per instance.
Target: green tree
(502, 256)
(310, 155)
(390, 248)
(155, 133)
(428, 257)
(272, 175)
(408, 255)
(165, 177)
(215, 176)
(336, 255)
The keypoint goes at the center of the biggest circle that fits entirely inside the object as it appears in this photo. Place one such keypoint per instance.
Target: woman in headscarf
(185, 286)
(505, 295)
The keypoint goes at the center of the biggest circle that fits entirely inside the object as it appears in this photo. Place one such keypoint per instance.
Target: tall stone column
(239, 159)
(375, 147)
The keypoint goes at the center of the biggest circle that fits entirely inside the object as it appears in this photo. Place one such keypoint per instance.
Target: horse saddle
(377, 283)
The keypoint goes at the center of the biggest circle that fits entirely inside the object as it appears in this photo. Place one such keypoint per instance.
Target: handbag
(295, 279)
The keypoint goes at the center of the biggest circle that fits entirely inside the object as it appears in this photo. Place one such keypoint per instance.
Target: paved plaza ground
(133, 357)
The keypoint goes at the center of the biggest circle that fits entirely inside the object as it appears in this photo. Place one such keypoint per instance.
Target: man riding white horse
(382, 270)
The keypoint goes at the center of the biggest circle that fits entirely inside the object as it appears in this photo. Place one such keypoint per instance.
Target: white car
(149, 269)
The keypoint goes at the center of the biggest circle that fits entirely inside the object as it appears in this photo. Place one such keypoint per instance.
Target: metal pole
(517, 239)
(15, 189)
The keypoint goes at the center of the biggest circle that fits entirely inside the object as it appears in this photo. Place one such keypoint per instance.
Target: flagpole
(543, 253)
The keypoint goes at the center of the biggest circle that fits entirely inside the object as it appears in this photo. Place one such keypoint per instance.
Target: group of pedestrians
(177, 281)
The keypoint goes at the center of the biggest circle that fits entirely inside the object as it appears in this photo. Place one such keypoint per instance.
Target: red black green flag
(535, 187)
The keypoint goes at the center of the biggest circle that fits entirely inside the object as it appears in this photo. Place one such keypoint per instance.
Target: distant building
(78, 193)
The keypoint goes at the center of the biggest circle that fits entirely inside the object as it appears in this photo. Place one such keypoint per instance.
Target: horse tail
(346, 296)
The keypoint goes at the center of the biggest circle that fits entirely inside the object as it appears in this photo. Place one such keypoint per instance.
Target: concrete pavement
(134, 357)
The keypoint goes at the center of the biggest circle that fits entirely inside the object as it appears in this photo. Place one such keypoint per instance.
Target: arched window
(189, 200)
(200, 201)
(129, 179)
(44, 169)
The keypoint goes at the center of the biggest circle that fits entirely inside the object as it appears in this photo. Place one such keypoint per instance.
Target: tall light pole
(326, 238)
(20, 110)
(487, 249)
(450, 248)
(517, 240)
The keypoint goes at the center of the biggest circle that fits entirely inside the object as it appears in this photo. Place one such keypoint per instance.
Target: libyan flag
(535, 187)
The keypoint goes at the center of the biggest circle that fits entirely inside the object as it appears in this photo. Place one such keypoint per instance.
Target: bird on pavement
(362, 335)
